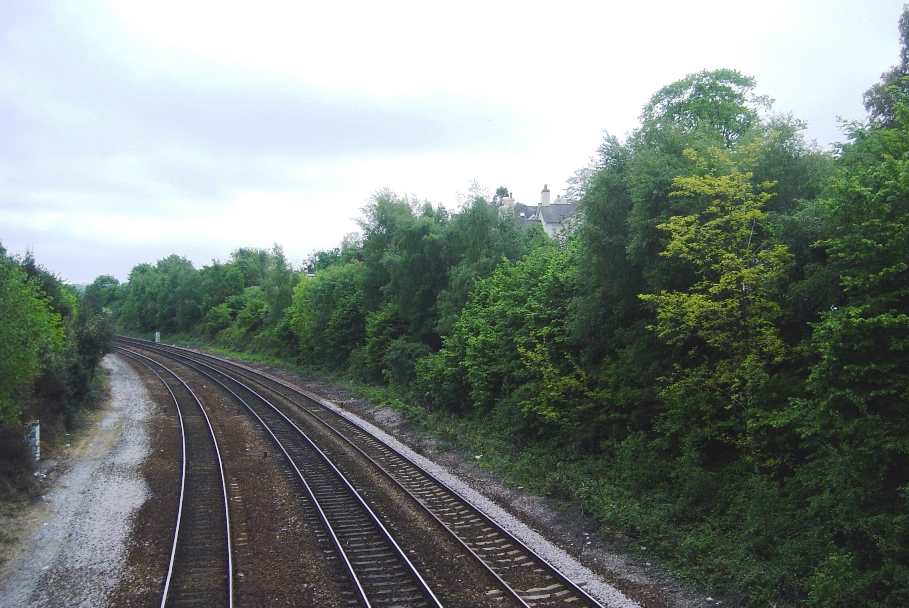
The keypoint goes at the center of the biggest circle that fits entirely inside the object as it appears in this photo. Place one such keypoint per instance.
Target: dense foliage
(242, 301)
(715, 359)
(51, 341)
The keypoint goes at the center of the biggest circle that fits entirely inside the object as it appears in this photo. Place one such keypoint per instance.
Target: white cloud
(137, 129)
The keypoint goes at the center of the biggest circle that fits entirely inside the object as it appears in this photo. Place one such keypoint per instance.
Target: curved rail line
(379, 570)
(200, 568)
(526, 576)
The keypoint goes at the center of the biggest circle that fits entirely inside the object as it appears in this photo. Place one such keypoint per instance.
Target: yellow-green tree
(723, 325)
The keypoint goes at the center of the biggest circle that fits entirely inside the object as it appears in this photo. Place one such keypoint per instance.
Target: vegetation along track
(519, 575)
(200, 569)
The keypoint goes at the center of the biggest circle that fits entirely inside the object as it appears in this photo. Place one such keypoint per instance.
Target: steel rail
(338, 474)
(138, 357)
(459, 524)
(515, 595)
(326, 518)
(173, 550)
(458, 519)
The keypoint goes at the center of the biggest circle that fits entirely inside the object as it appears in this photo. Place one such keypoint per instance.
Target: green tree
(327, 314)
(101, 293)
(163, 297)
(853, 423)
(29, 329)
(278, 286)
(403, 250)
(253, 264)
(218, 318)
(882, 99)
(217, 282)
(478, 239)
(511, 344)
(627, 196)
(719, 105)
(94, 339)
(348, 251)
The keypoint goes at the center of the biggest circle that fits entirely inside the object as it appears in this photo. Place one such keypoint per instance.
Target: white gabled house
(550, 215)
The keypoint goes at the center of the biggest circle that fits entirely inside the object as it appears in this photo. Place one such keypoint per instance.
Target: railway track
(379, 570)
(523, 577)
(200, 568)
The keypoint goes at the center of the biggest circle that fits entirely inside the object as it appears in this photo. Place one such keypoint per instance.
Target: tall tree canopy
(28, 329)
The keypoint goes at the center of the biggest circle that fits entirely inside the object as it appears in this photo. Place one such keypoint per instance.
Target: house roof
(556, 214)
(530, 215)
(526, 212)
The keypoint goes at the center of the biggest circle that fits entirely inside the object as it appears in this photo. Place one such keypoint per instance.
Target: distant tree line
(721, 345)
(241, 301)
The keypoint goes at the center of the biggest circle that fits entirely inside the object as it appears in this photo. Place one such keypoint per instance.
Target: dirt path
(75, 553)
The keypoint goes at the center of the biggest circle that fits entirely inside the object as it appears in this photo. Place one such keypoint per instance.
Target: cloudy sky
(132, 130)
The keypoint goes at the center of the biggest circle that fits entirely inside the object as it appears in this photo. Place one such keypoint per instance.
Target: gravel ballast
(562, 561)
(76, 557)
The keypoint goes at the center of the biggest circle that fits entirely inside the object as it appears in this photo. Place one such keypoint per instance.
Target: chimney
(508, 202)
(544, 196)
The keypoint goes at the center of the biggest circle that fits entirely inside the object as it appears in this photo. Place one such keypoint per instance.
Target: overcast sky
(132, 130)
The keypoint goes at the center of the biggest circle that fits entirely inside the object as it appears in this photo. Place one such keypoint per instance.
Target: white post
(34, 436)
(157, 337)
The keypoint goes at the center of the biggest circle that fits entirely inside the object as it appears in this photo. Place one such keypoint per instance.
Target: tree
(94, 339)
(101, 293)
(853, 423)
(327, 314)
(628, 194)
(723, 326)
(511, 343)
(477, 240)
(278, 284)
(217, 282)
(252, 263)
(405, 268)
(717, 103)
(882, 98)
(28, 328)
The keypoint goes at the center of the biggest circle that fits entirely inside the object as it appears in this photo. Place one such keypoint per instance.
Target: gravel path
(76, 557)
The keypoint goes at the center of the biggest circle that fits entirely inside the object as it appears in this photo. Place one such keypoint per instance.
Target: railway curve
(519, 576)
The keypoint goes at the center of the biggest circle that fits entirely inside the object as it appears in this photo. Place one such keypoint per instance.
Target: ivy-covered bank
(713, 359)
